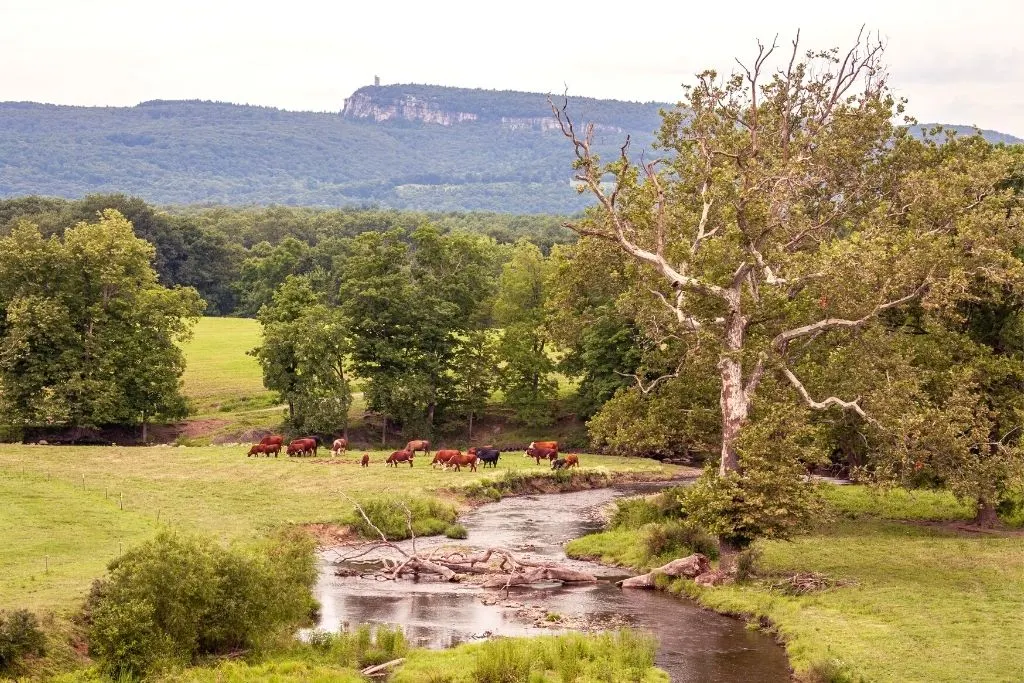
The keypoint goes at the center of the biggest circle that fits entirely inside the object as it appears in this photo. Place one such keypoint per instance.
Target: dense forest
(236, 257)
(398, 146)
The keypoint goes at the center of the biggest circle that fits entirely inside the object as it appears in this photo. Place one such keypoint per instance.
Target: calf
(365, 462)
(257, 449)
(400, 456)
(558, 464)
(539, 453)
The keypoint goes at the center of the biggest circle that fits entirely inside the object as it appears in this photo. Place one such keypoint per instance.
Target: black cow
(558, 464)
(487, 455)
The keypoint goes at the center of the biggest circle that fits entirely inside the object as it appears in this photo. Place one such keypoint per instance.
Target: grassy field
(920, 600)
(219, 376)
(68, 510)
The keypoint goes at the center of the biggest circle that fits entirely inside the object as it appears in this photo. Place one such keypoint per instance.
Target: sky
(959, 62)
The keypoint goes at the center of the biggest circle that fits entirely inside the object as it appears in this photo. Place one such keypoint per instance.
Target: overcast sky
(961, 63)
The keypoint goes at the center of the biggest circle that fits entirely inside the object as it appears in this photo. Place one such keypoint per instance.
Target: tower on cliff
(376, 81)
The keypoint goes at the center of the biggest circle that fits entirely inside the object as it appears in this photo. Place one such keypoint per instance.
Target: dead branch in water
(501, 565)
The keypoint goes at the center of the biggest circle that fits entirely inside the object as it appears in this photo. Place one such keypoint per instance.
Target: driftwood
(688, 567)
(502, 567)
(381, 669)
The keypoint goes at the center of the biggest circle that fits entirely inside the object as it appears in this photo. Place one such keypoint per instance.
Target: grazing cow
(273, 439)
(255, 450)
(558, 464)
(553, 445)
(400, 456)
(302, 447)
(442, 456)
(572, 460)
(339, 446)
(461, 460)
(365, 462)
(419, 445)
(538, 453)
(488, 455)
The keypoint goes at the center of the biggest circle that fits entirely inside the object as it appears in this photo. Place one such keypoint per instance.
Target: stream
(694, 644)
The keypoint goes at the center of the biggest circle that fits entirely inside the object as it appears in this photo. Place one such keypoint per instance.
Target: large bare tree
(786, 211)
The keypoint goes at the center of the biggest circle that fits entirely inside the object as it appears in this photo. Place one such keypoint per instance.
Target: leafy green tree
(304, 357)
(788, 215)
(411, 306)
(88, 337)
(520, 311)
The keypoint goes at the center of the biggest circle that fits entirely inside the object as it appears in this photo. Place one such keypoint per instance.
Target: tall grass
(617, 657)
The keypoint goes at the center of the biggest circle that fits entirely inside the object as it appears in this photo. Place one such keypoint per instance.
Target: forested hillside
(397, 146)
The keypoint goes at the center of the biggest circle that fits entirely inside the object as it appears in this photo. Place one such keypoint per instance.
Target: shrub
(177, 597)
(678, 538)
(747, 563)
(456, 531)
(19, 636)
(429, 517)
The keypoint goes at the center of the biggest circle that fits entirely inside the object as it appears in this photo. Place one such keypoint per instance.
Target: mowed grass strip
(64, 501)
(217, 370)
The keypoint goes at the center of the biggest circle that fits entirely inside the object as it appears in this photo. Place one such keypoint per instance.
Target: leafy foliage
(88, 337)
(177, 597)
(304, 355)
(20, 635)
(393, 516)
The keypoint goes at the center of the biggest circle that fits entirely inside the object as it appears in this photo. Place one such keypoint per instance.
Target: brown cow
(302, 447)
(339, 446)
(461, 460)
(400, 456)
(257, 449)
(545, 453)
(366, 460)
(273, 439)
(442, 456)
(572, 460)
(553, 445)
(420, 445)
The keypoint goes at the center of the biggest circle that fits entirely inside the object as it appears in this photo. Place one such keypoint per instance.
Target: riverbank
(69, 510)
(901, 592)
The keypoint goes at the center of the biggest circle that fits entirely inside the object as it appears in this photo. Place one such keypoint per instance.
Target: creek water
(693, 644)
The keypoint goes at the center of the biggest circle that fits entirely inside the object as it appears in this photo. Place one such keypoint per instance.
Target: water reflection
(694, 644)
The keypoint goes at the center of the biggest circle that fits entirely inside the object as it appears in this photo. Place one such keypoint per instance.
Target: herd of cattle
(445, 457)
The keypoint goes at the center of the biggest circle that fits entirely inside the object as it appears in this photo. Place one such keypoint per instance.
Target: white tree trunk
(733, 400)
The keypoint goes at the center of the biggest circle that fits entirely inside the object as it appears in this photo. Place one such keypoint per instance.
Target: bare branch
(828, 402)
(653, 385)
(782, 340)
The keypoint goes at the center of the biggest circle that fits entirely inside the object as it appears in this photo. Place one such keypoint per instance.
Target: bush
(19, 636)
(456, 531)
(177, 597)
(678, 539)
(430, 517)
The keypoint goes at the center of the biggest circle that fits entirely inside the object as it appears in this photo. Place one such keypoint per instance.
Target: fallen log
(538, 575)
(689, 567)
(381, 669)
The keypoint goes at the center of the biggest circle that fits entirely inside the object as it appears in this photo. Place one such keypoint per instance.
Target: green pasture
(219, 376)
(68, 510)
(918, 599)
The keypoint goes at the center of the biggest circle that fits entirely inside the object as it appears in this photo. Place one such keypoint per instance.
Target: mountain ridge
(406, 146)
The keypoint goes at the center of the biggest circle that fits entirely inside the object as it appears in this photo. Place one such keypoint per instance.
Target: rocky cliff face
(408, 108)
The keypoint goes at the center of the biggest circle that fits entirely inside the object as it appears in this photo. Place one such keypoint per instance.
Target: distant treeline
(237, 257)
